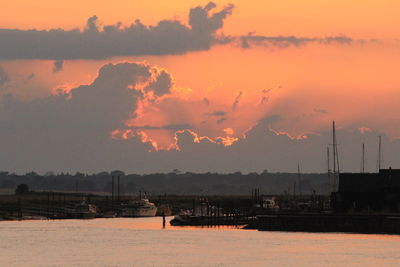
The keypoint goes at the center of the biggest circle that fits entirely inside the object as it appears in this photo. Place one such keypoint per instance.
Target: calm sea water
(143, 242)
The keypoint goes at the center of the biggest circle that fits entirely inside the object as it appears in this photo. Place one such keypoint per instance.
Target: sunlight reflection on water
(143, 242)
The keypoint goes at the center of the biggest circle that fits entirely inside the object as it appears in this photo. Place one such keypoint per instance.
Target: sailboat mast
(380, 153)
(335, 158)
(334, 147)
(299, 179)
(363, 158)
(336, 166)
(328, 161)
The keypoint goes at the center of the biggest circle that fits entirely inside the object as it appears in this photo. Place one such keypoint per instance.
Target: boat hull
(140, 208)
(83, 215)
(150, 212)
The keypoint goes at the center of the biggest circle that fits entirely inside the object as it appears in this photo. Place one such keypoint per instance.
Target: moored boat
(139, 208)
(84, 210)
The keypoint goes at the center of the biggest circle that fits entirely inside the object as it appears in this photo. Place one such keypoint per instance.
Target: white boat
(84, 210)
(139, 208)
(270, 203)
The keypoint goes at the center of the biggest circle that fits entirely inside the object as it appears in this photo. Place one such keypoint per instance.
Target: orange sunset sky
(303, 64)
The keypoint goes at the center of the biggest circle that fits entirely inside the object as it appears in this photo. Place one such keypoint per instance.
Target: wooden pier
(357, 223)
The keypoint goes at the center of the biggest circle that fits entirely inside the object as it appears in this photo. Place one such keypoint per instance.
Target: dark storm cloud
(137, 39)
(161, 85)
(247, 41)
(168, 37)
(219, 121)
(66, 129)
(237, 100)
(102, 105)
(218, 113)
(264, 149)
(201, 22)
(4, 79)
(72, 132)
(58, 65)
(220, 116)
(173, 127)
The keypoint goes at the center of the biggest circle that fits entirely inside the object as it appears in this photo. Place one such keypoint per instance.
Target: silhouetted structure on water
(368, 192)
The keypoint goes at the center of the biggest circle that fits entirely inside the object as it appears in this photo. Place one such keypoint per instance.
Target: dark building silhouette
(379, 192)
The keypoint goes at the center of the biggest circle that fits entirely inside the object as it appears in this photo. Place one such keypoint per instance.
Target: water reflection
(143, 242)
(150, 224)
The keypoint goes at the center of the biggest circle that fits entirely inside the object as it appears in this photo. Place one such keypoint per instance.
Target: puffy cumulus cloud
(167, 37)
(95, 42)
(131, 117)
(209, 119)
(265, 148)
(161, 85)
(81, 120)
(204, 24)
(127, 103)
(111, 98)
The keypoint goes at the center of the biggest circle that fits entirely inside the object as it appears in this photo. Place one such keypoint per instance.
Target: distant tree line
(175, 182)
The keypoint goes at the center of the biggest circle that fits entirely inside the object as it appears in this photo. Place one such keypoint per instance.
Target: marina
(197, 134)
(364, 203)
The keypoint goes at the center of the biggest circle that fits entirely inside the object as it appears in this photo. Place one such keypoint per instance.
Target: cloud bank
(95, 42)
(168, 37)
(95, 127)
(4, 79)
(58, 65)
(249, 40)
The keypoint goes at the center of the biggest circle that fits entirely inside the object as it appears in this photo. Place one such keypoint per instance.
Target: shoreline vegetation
(299, 213)
(266, 201)
(173, 183)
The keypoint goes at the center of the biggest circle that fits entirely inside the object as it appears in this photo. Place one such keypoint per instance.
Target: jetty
(360, 223)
